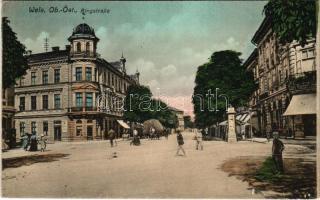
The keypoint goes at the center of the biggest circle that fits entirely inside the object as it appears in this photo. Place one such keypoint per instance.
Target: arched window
(87, 47)
(78, 47)
(79, 121)
(89, 121)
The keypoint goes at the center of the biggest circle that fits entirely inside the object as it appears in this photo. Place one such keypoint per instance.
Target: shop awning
(303, 104)
(123, 124)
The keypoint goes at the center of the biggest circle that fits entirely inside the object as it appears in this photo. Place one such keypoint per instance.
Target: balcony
(302, 83)
(76, 111)
(84, 54)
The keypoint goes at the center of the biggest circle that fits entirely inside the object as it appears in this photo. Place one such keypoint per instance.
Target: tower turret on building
(83, 41)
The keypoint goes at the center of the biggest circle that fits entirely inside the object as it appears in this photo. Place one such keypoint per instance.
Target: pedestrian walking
(180, 143)
(43, 142)
(198, 138)
(25, 141)
(166, 133)
(33, 142)
(111, 135)
(277, 149)
(136, 139)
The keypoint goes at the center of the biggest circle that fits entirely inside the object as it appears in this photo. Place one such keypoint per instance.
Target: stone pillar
(232, 137)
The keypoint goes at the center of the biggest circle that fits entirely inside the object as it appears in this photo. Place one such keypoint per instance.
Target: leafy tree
(140, 106)
(224, 71)
(135, 105)
(292, 19)
(187, 122)
(14, 63)
(161, 112)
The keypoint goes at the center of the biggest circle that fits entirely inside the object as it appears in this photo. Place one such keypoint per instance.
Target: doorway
(89, 132)
(309, 122)
(57, 133)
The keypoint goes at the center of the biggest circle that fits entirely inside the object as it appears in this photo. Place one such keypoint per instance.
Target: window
(88, 73)
(45, 105)
(22, 81)
(308, 53)
(33, 78)
(57, 75)
(78, 47)
(22, 128)
(109, 78)
(45, 77)
(33, 102)
(78, 74)
(57, 102)
(79, 127)
(79, 130)
(79, 99)
(87, 47)
(89, 100)
(33, 127)
(45, 127)
(22, 105)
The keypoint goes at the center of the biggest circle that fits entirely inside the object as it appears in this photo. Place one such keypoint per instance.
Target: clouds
(165, 41)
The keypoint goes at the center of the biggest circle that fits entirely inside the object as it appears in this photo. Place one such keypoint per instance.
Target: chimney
(55, 48)
(68, 47)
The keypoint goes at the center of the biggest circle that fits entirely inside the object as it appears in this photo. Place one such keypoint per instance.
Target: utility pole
(46, 44)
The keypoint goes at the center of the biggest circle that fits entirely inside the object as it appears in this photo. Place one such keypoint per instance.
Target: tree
(292, 19)
(187, 122)
(140, 106)
(223, 71)
(161, 112)
(136, 104)
(14, 62)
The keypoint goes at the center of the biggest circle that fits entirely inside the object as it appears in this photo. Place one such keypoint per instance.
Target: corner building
(286, 75)
(58, 96)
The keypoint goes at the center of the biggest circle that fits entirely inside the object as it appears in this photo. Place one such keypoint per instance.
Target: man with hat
(277, 149)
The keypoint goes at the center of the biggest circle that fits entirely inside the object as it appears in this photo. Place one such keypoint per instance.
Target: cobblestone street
(150, 170)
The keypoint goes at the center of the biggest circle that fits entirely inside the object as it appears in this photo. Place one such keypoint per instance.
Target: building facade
(179, 114)
(72, 94)
(286, 78)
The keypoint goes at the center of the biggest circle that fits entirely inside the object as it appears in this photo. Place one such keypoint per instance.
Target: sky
(165, 41)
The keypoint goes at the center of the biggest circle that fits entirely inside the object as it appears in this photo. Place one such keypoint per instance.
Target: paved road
(148, 171)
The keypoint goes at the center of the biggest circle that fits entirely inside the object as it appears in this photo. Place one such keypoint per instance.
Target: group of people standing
(30, 142)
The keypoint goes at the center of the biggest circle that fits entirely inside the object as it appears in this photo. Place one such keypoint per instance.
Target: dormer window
(87, 47)
(78, 47)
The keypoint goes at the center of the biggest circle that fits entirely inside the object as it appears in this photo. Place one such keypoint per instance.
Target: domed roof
(83, 29)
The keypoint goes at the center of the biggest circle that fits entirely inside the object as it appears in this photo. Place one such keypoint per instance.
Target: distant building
(58, 96)
(286, 74)
(179, 114)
